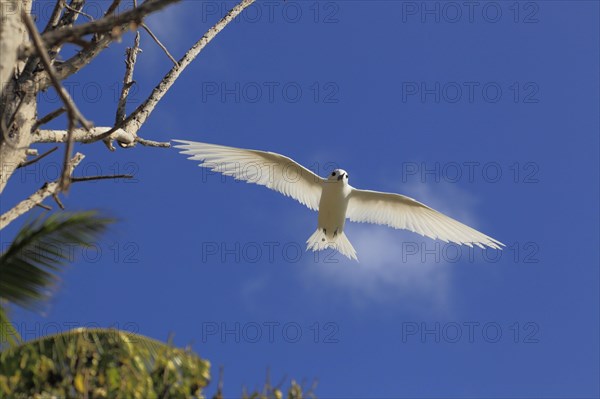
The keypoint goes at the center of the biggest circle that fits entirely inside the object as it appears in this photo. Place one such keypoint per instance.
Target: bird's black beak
(341, 176)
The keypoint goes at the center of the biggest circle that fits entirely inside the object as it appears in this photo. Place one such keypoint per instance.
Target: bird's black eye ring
(332, 173)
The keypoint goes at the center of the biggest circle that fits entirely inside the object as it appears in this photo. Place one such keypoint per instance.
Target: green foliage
(101, 363)
(29, 267)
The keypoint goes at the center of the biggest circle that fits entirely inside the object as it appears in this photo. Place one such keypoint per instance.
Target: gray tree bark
(17, 99)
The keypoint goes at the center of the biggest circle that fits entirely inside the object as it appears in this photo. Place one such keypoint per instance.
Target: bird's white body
(332, 207)
(333, 204)
(333, 198)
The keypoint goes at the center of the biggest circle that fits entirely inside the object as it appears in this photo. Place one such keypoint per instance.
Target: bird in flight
(333, 197)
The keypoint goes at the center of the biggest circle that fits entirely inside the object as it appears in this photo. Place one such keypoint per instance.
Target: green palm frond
(8, 333)
(101, 363)
(28, 268)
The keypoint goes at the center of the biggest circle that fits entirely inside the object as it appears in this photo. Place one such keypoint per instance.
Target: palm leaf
(28, 268)
(8, 333)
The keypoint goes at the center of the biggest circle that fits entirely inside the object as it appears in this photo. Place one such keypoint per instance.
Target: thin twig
(58, 201)
(311, 391)
(46, 207)
(162, 46)
(47, 190)
(128, 79)
(36, 159)
(103, 177)
(267, 387)
(45, 119)
(281, 382)
(219, 394)
(65, 179)
(88, 16)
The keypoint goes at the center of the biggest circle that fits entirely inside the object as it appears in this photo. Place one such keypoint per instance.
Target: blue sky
(490, 115)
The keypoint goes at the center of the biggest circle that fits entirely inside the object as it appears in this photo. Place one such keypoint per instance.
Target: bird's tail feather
(319, 241)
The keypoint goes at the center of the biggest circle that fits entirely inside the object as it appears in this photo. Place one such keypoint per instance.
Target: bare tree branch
(47, 118)
(64, 180)
(58, 201)
(78, 11)
(76, 62)
(55, 17)
(36, 159)
(137, 118)
(72, 11)
(150, 143)
(162, 46)
(89, 136)
(81, 42)
(113, 6)
(114, 24)
(82, 136)
(47, 190)
(70, 16)
(46, 207)
(130, 61)
(102, 177)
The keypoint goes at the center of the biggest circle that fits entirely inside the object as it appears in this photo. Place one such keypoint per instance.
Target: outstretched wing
(269, 169)
(401, 212)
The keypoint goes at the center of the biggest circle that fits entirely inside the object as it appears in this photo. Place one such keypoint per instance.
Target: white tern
(333, 198)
